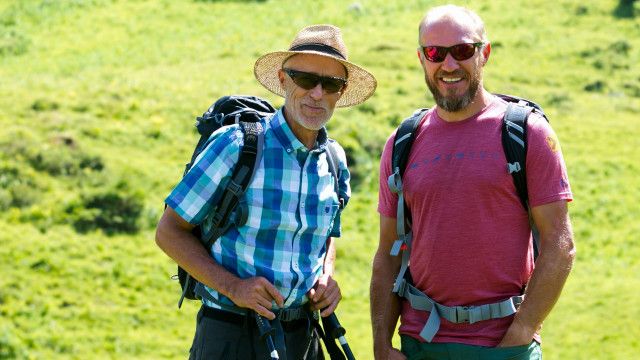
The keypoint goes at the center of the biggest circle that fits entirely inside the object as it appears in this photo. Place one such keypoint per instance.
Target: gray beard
(453, 103)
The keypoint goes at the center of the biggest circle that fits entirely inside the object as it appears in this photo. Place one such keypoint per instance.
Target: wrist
(381, 349)
(229, 288)
(523, 329)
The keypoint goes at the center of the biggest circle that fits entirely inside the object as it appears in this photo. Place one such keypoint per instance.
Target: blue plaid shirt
(292, 205)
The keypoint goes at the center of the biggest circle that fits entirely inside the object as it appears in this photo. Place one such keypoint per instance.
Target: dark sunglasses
(308, 81)
(459, 52)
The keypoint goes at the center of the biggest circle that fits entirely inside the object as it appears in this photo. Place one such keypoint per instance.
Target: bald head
(455, 15)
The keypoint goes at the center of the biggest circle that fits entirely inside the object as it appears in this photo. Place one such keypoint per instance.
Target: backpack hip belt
(455, 314)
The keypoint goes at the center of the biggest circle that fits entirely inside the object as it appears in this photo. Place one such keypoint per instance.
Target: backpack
(246, 111)
(514, 143)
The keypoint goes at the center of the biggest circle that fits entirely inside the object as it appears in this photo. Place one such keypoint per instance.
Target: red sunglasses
(459, 52)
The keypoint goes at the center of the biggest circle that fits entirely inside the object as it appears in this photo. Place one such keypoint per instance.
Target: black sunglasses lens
(332, 85)
(308, 81)
(304, 80)
(462, 52)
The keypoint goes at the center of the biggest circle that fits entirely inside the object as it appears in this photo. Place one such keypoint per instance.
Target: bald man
(471, 253)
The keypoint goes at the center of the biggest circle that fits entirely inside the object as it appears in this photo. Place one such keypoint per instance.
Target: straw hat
(321, 40)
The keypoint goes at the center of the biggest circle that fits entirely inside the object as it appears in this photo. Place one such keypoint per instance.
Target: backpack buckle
(395, 181)
(513, 167)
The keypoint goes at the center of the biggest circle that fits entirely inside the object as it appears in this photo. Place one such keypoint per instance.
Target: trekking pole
(333, 328)
(266, 332)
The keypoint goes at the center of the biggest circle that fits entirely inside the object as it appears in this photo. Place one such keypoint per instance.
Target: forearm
(545, 286)
(385, 305)
(551, 271)
(187, 251)
(330, 257)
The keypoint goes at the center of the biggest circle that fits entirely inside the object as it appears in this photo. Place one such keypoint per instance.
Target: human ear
(281, 77)
(486, 50)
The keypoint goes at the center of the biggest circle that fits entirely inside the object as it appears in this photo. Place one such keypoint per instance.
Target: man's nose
(449, 63)
(316, 92)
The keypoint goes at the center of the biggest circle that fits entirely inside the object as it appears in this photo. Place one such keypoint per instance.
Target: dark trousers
(223, 335)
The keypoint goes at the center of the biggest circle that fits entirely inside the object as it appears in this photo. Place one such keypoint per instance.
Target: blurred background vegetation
(97, 104)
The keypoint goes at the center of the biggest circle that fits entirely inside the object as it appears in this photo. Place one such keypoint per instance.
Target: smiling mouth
(451, 80)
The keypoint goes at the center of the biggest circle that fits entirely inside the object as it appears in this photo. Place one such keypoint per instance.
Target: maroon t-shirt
(471, 236)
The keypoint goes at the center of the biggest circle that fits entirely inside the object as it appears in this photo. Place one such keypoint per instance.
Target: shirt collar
(288, 140)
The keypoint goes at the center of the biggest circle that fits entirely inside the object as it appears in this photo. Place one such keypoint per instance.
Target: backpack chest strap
(455, 314)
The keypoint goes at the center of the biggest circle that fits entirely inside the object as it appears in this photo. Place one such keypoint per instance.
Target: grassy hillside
(97, 102)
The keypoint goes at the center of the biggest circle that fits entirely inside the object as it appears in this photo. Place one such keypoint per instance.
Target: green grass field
(97, 105)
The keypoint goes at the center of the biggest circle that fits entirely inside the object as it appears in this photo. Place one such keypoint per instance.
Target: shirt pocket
(328, 209)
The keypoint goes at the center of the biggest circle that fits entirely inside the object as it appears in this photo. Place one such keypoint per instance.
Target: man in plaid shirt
(282, 257)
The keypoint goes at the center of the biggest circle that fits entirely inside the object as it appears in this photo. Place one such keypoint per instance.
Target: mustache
(457, 73)
(318, 104)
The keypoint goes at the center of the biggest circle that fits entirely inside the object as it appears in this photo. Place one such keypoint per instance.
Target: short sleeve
(547, 179)
(387, 200)
(194, 196)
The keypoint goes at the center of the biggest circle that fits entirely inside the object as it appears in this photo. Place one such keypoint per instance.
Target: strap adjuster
(513, 167)
(395, 181)
(400, 287)
(462, 314)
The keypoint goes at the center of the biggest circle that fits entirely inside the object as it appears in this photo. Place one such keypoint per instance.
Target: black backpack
(247, 111)
(514, 143)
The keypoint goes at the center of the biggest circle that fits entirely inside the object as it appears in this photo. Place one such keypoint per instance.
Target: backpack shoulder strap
(404, 140)
(405, 135)
(248, 161)
(514, 143)
(334, 168)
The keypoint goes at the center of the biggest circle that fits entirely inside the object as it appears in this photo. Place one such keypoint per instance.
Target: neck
(479, 102)
(306, 136)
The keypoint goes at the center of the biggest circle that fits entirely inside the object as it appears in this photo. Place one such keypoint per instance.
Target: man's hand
(256, 293)
(517, 334)
(390, 354)
(325, 295)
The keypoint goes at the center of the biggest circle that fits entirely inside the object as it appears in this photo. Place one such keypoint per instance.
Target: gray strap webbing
(455, 314)
(404, 239)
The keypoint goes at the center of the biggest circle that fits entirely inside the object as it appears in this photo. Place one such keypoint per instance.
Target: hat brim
(360, 83)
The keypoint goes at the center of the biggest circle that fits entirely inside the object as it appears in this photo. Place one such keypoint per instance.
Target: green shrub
(44, 105)
(59, 156)
(64, 161)
(18, 187)
(113, 210)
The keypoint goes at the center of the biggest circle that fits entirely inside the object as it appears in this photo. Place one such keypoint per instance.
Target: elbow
(159, 238)
(161, 234)
(568, 254)
(571, 254)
